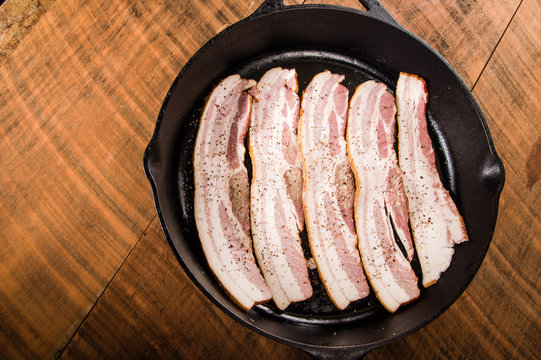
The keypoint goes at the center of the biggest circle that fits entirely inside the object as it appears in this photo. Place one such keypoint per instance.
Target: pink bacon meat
(380, 202)
(329, 189)
(276, 193)
(222, 189)
(435, 221)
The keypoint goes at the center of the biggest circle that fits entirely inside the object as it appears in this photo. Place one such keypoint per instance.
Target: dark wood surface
(85, 271)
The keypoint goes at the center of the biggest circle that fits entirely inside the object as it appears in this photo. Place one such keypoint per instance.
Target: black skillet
(362, 46)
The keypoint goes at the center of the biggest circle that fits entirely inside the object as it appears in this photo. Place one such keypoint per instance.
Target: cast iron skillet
(362, 46)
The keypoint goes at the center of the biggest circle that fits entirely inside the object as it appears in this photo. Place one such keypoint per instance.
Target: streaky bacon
(379, 198)
(221, 202)
(435, 221)
(329, 188)
(276, 192)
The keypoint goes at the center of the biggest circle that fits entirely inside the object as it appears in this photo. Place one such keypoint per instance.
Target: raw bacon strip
(379, 196)
(329, 189)
(221, 201)
(435, 221)
(276, 193)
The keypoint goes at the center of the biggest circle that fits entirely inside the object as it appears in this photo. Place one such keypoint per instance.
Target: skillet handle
(331, 354)
(376, 10)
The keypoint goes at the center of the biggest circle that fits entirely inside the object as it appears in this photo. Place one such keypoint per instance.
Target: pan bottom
(308, 63)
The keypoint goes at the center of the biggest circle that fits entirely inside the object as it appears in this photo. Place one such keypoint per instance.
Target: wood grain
(464, 32)
(145, 313)
(509, 93)
(17, 18)
(78, 104)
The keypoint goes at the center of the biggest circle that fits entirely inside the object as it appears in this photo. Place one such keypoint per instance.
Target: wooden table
(85, 270)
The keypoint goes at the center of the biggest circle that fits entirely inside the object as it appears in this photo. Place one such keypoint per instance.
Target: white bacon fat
(329, 189)
(379, 198)
(221, 201)
(435, 221)
(276, 192)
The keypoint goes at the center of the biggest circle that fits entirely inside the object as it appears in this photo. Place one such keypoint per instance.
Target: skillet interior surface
(311, 40)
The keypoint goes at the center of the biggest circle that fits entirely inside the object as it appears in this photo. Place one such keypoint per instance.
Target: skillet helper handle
(373, 8)
(268, 6)
(493, 173)
(332, 354)
(376, 10)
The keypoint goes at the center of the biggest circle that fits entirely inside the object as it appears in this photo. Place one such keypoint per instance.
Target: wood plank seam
(496, 46)
(58, 353)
